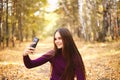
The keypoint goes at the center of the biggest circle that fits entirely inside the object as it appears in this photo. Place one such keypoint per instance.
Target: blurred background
(94, 24)
(89, 20)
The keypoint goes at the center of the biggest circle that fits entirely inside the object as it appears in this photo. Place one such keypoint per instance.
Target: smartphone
(35, 41)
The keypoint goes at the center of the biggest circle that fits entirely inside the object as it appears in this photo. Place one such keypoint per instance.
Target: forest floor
(102, 61)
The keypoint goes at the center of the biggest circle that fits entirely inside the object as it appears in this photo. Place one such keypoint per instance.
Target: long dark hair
(71, 55)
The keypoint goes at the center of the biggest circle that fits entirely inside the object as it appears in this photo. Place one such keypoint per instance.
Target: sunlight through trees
(90, 20)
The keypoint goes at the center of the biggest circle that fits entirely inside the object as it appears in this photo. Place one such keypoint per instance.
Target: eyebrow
(58, 37)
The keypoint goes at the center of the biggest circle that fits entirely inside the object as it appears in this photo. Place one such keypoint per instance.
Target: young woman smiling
(65, 59)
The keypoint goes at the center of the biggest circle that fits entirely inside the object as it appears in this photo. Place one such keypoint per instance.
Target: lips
(59, 45)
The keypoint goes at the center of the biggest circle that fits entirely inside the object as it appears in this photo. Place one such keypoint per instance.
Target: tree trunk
(20, 32)
(116, 28)
(7, 28)
(13, 39)
(33, 34)
(20, 29)
(106, 21)
(1, 8)
(81, 18)
(0, 35)
(13, 23)
(105, 25)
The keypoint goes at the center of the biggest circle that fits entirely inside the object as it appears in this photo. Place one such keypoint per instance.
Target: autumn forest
(94, 24)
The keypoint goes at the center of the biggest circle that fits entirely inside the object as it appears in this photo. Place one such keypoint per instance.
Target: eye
(54, 38)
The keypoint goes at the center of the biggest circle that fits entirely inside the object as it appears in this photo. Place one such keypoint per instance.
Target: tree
(6, 26)
(1, 9)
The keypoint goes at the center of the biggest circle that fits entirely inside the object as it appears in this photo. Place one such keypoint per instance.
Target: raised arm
(39, 61)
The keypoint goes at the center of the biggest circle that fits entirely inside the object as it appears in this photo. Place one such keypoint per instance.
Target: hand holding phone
(35, 41)
(30, 50)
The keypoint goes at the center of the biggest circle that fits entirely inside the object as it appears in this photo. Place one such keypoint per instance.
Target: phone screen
(35, 41)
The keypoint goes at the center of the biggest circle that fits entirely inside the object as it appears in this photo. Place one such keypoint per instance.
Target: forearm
(27, 61)
(36, 62)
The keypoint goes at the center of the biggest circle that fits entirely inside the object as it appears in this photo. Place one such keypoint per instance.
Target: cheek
(61, 41)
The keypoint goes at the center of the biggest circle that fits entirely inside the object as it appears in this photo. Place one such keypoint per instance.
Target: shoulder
(49, 53)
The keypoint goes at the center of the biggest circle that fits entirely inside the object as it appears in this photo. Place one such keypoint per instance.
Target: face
(58, 40)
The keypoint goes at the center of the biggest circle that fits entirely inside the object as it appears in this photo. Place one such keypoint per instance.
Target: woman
(65, 58)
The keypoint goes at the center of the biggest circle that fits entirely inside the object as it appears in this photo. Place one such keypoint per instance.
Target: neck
(59, 50)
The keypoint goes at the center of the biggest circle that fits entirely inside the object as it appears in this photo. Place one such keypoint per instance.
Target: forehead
(57, 34)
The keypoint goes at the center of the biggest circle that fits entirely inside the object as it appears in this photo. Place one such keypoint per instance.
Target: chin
(59, 47)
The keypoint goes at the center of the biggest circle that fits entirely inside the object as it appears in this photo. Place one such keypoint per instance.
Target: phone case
(35, 41)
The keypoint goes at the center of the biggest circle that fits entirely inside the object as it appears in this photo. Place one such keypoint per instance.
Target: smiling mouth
(58, 44)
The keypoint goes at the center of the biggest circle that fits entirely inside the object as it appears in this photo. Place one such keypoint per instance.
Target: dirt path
(102, 62)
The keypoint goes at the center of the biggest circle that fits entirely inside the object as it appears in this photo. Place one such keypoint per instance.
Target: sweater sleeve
(39, 61)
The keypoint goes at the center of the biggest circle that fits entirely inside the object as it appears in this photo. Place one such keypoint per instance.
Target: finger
(32, 52)
(31, 48)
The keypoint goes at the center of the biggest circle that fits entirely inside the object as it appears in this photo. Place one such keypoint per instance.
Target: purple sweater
(58, 64)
